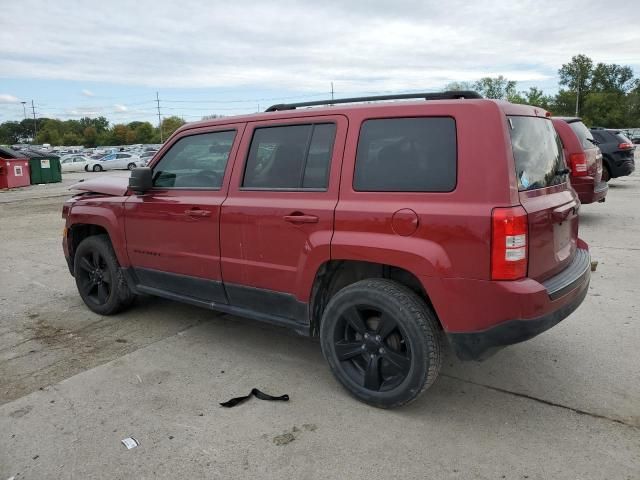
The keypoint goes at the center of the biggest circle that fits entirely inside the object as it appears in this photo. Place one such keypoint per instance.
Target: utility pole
(35, 124)
(577, 93)
(159, 121)
(331, 90)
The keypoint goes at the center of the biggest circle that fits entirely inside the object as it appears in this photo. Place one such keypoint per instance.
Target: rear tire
(131, 166)
(99, 279)
(382, 342)
(97, 168)
(606, 174)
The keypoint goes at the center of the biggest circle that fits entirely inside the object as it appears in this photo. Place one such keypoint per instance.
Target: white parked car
(73, 163)
(115, 161)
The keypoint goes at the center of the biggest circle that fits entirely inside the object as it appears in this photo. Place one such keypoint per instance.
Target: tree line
(89, 132)
(605, 95)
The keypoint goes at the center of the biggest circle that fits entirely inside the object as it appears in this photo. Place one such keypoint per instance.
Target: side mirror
(140, 180)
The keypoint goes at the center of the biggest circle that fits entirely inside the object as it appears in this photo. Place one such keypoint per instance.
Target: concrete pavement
(563, 405)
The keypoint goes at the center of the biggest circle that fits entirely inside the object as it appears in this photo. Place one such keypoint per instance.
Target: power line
(35, 123)
(159, 121)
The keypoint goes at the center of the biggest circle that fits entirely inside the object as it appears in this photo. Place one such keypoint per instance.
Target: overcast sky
(109, 58)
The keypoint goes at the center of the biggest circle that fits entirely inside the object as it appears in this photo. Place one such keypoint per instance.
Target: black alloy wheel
(94, 278)
(372, 348)
(382, 342)
(99, 278)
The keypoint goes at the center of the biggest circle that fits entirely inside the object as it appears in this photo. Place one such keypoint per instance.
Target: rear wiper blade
(595, 142)
(565, 171)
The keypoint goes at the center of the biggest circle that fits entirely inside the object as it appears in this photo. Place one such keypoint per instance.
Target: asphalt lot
(565, 405)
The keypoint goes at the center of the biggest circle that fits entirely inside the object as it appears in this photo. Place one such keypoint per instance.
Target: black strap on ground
(256, 393)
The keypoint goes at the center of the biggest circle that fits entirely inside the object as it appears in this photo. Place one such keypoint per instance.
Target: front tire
(97, 168)
(99, 279)
(382, 342)
(131, 166)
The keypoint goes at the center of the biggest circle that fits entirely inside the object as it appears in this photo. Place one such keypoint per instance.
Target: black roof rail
(448, 95)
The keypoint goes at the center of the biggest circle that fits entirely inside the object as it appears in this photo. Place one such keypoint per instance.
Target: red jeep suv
(385, 228)
(584, 159)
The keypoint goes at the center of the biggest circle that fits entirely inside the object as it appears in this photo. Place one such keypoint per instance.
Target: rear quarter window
(406, 155)
(537, 152)
(583, 134)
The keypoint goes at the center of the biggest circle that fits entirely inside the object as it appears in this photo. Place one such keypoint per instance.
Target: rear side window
(537, 152)
(290, 157)
(196, 161)
(583, 134)
(406, 155)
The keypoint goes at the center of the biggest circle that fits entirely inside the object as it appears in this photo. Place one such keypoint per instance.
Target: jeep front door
(173, 230)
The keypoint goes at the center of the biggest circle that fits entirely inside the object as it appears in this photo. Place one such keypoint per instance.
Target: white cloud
(6, 98)
(360, 44)
(120, 108)
(88, 93)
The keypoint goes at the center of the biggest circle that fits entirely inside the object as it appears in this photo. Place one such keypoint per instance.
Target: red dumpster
(14, 172)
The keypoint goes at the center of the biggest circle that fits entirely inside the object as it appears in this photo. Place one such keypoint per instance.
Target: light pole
(578, 93)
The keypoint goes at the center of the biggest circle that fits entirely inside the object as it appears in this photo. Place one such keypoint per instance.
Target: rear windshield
(537, 152)
(622, 137)
(583, 134)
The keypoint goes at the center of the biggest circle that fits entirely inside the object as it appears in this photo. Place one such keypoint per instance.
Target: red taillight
(578, 164)
(625, 146)
(509, 243)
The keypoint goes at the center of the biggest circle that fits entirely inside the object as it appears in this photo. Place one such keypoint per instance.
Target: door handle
(300, 218)
(196, 212)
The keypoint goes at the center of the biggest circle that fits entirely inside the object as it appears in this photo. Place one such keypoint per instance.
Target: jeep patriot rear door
(277, 221)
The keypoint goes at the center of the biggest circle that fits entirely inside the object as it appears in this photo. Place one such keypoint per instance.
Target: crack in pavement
(543, 401)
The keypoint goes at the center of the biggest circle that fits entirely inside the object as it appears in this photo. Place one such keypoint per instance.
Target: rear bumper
(588, 190)
(620, 169)
(481, 345)
(480, 317)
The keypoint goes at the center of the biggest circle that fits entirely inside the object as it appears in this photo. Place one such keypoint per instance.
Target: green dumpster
(45, 169)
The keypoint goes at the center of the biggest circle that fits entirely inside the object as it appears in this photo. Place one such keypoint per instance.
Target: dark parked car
(617, 152)
(381, 228)
(583, 157)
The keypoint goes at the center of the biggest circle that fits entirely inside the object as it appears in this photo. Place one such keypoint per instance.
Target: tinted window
(583, 134)
(537, 152)
(621, 137)
(599, 137)
(295, 157)
(197, 161)
(406, 155)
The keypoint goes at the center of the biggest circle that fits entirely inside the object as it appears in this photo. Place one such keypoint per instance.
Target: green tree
(612, 78)
(170, 125)
(119, 134)
(90, 137)
(459, 86)
(576, 76)
(70, 138)
(10, 133)
(496, 87)
(144, 132)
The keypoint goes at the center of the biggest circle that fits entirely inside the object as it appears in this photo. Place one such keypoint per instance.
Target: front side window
(196, 161)
(290, 157)
(406, 155)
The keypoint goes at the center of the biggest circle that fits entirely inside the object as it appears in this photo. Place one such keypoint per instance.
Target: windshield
(537, 152)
